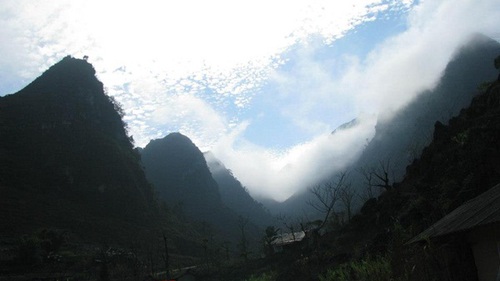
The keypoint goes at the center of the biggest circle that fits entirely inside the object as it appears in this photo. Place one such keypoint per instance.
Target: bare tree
(378, 177)
(288, 224)
(346, 196)
(368, 182)
(269, 238)
(381, 173)
(244, 244)
(166, 256)
(326, 196)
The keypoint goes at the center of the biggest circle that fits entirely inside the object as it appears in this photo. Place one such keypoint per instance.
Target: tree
(288, 224)
(243, 245)
(497, 65)
(326, 196)
(368, 182)
(378, 177)
(271, 233)
(166, 256)
(346, 196)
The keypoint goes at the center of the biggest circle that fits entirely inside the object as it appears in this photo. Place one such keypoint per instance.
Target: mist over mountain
(66, 160)
(400, 136)
(235, 195)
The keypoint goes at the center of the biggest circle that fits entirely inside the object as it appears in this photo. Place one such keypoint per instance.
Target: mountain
(179, 172)
(353, 123)
(235, 195)
(401, 136)
(460, 163)
(66, 161)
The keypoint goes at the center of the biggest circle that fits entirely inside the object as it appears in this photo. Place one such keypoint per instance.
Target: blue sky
(261, 84)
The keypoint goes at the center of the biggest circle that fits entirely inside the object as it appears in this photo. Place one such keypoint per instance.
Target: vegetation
(371, 269)
(263, 277)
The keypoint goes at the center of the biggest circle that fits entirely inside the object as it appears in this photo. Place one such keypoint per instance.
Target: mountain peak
(65, 76)
(64, 141)
(176, 166)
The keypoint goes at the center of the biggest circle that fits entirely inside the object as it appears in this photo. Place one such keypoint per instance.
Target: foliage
(371, 269)
(269, 237)
(266, 276)
(29, 251)
(483, 86)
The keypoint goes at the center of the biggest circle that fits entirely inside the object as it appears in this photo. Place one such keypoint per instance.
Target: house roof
(288, 238)
(482, 210)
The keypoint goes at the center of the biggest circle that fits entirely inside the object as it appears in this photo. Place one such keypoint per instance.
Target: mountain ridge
(64, 141)
(235, 195)
(179, 172)
(400, 139)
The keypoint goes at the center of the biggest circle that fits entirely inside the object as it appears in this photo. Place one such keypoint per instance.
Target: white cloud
(280, 174)
(236, 41)
(193, 113)
(412, 61)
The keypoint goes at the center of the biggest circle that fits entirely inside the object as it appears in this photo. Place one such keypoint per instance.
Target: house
(288, 241)
(478, 222)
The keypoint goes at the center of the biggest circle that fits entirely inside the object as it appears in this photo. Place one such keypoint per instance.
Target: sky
(261, 84)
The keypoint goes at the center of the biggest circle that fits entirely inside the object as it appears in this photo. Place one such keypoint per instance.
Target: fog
(387, 79)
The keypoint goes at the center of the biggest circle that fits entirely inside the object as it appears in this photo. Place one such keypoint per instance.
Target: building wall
(484, 242)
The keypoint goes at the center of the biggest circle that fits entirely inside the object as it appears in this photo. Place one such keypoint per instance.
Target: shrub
(372, 269)
(29, 251)
(267, 276)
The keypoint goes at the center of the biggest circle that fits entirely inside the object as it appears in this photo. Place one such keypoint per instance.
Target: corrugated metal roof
(482, 210)
(288, 238)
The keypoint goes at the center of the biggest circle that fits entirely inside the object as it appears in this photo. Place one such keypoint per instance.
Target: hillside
(66, 159)
(235, 195)
(179, 172)
(460, 163)
(401, 136)
(72, 190)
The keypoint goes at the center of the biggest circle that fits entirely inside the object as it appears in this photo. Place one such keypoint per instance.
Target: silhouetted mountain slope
(235, 196)
(460, 163)
(66, 160)
(401, 138)
(178, 170)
